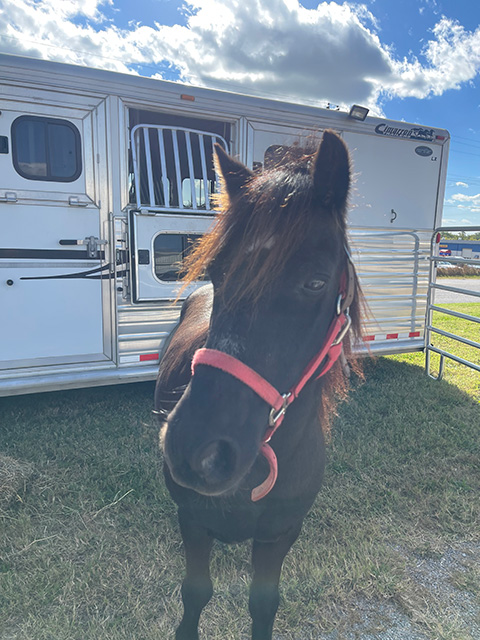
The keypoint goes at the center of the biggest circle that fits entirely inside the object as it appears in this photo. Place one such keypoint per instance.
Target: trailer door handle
(91, 241)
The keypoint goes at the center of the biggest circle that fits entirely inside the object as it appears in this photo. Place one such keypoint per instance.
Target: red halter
(279, 403)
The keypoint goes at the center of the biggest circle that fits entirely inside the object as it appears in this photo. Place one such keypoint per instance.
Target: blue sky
(415, 60)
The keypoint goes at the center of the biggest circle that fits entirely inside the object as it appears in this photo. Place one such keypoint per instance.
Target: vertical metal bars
(431, 307)
(163, 168)
(176, 165)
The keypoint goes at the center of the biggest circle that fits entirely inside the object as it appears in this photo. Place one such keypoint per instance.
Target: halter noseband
(279, 402)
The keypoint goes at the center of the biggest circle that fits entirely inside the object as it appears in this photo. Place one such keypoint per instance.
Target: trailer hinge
(121, 257)
(10, 196)
(74, 201)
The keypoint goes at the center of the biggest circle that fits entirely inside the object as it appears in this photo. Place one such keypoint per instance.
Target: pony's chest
(226, 524)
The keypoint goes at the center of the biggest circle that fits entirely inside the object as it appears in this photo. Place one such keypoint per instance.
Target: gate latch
(92, 244)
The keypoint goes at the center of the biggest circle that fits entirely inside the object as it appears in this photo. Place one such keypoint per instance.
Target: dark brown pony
(276, 259)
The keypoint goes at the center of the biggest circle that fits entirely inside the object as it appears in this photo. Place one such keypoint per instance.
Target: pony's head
(275, 259)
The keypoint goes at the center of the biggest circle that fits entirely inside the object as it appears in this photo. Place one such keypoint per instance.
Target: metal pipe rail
(431, 307)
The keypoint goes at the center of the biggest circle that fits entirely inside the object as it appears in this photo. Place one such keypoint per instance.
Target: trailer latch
(92, 243)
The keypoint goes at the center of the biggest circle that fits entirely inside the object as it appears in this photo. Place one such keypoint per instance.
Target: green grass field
(90, 547)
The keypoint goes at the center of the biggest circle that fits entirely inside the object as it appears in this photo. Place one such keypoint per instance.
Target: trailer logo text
(415, 133)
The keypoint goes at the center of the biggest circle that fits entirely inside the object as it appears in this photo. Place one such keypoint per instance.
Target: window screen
(46, 149)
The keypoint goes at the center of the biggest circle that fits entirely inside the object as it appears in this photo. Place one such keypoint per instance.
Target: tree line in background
(460, 235)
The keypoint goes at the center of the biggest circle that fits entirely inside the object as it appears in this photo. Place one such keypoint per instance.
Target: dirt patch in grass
(440, 599)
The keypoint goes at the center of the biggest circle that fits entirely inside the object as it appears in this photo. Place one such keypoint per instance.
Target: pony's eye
(314, 285)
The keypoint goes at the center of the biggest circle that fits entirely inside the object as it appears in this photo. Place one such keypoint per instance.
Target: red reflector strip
(185, 96)
(440, 137)
(368, 338)
(392, 336)
(148, 356)
(414, 334)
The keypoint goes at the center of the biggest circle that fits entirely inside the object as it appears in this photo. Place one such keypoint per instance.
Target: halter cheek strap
(279, 403)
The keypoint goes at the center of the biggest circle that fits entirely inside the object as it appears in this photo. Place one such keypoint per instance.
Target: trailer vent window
(46, 149)
(169, 250)
(173, 168)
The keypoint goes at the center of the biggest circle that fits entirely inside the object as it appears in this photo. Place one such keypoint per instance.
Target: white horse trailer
(105, 180)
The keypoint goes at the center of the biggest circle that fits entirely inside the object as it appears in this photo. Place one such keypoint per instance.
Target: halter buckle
(275, 414)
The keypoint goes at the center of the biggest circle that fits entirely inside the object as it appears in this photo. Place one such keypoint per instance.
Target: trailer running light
(358, 113)
(185, 96)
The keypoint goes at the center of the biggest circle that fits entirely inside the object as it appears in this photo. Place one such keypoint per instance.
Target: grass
(464, 377)
(90, 546)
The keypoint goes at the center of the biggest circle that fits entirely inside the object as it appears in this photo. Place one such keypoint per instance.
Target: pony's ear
(233, 173)
(331, 172)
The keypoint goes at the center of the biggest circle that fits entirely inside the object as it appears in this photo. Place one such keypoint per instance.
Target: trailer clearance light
(358, 113)
(185, 96)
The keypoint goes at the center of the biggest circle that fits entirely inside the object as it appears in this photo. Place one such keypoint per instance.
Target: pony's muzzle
(215, 462)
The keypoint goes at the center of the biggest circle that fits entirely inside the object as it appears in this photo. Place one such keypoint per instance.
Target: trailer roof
(135, 88)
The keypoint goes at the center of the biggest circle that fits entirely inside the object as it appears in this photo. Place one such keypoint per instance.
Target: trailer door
(54, 276)
(396, 181)
(174, 180)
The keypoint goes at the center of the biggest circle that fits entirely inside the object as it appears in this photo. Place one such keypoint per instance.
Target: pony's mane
(274, 206)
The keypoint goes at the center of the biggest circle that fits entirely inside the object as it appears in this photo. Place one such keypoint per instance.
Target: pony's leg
(197, 586)
(267, 560)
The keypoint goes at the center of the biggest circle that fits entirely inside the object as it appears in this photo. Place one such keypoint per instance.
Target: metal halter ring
(276, 414)
(344, 329)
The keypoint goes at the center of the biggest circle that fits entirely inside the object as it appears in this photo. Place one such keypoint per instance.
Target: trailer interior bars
(173, 167)
(431, 307)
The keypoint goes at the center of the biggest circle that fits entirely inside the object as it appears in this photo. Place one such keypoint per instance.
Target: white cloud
(452, 56)
(329, 54)
(466, 202)
(461, 184)
(68, 31)
(459, 222)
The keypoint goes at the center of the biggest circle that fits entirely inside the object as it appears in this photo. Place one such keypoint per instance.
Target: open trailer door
(174, 180)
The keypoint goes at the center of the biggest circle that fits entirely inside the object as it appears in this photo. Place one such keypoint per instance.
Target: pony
(244, 442)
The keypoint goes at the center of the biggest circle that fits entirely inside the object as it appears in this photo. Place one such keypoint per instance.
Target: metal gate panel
(434, 286)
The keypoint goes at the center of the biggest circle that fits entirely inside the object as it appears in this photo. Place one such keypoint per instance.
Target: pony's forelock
(275, 209)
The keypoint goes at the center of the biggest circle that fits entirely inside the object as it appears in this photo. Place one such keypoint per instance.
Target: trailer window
(169, 251)
(46, 149)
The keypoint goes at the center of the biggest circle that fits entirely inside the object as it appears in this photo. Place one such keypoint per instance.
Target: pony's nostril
(216, 461)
